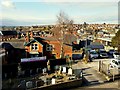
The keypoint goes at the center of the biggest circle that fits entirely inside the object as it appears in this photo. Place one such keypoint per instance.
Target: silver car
(93, 54)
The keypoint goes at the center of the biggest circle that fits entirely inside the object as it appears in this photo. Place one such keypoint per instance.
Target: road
(104, 86)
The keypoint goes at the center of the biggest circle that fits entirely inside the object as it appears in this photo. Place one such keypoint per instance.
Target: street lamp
(86, 52)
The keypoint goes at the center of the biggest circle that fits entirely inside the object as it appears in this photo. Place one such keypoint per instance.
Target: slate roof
(6, 33)
(96, 45)
(68, 39)
(6, 46)
(13, 43)
(19, 45)
(35, 39)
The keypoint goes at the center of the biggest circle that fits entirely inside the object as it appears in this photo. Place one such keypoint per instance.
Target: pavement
(92, 77)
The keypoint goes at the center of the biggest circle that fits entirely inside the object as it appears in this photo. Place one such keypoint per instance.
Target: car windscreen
(117, 53)
(93, 52)
(119, 62)
(102, 51)
(111, 50)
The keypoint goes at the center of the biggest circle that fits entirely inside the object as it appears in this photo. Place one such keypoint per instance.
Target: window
(116, 62)
(49, 48)
(93, 52)
(34, 47)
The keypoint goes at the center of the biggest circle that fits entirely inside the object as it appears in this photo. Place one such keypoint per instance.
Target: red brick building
(49, 47)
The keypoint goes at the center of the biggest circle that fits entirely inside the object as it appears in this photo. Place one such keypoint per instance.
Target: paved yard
(92, 78)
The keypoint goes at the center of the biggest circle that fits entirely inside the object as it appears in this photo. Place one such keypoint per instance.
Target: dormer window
(34, 47)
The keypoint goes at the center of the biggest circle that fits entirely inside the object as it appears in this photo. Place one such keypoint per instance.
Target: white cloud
(7, 4)
(80, 0)
(65, 0)
(25, 17)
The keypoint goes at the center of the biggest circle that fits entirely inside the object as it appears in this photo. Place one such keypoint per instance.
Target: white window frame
(34, 46)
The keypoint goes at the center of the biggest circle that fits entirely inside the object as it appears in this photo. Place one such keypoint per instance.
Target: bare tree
(63, 19)
(64, 23)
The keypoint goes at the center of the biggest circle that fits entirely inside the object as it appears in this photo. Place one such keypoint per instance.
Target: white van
(116, 55)
(115, 63)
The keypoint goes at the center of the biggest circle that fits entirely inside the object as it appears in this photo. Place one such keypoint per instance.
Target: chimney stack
(28, 37)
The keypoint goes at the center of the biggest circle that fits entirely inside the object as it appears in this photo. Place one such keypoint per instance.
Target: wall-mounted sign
(33, 59)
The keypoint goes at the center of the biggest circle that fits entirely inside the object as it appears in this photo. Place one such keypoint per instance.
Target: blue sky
(40, 13)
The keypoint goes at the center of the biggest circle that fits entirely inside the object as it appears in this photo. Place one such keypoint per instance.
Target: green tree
(116, 40)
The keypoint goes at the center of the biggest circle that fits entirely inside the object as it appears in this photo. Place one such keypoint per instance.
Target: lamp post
(86, 52)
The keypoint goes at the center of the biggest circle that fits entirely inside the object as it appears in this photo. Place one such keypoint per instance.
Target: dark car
(76, 56)
(102, 53)
(111, 51)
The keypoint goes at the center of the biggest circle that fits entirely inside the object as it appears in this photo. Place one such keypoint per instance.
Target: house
(11, 54)
(7, 35)
(49, 47)
(14, 51)
(105, 41)
(84, 43)
(39, 33)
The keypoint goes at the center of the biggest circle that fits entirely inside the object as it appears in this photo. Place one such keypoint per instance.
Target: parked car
(115, 63)
(102, 53)
(93, 54)
(76, 56)
(111, 51)
(116, 55)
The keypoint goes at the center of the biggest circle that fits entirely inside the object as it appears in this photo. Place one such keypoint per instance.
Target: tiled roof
(68, 39)
(51, 38)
